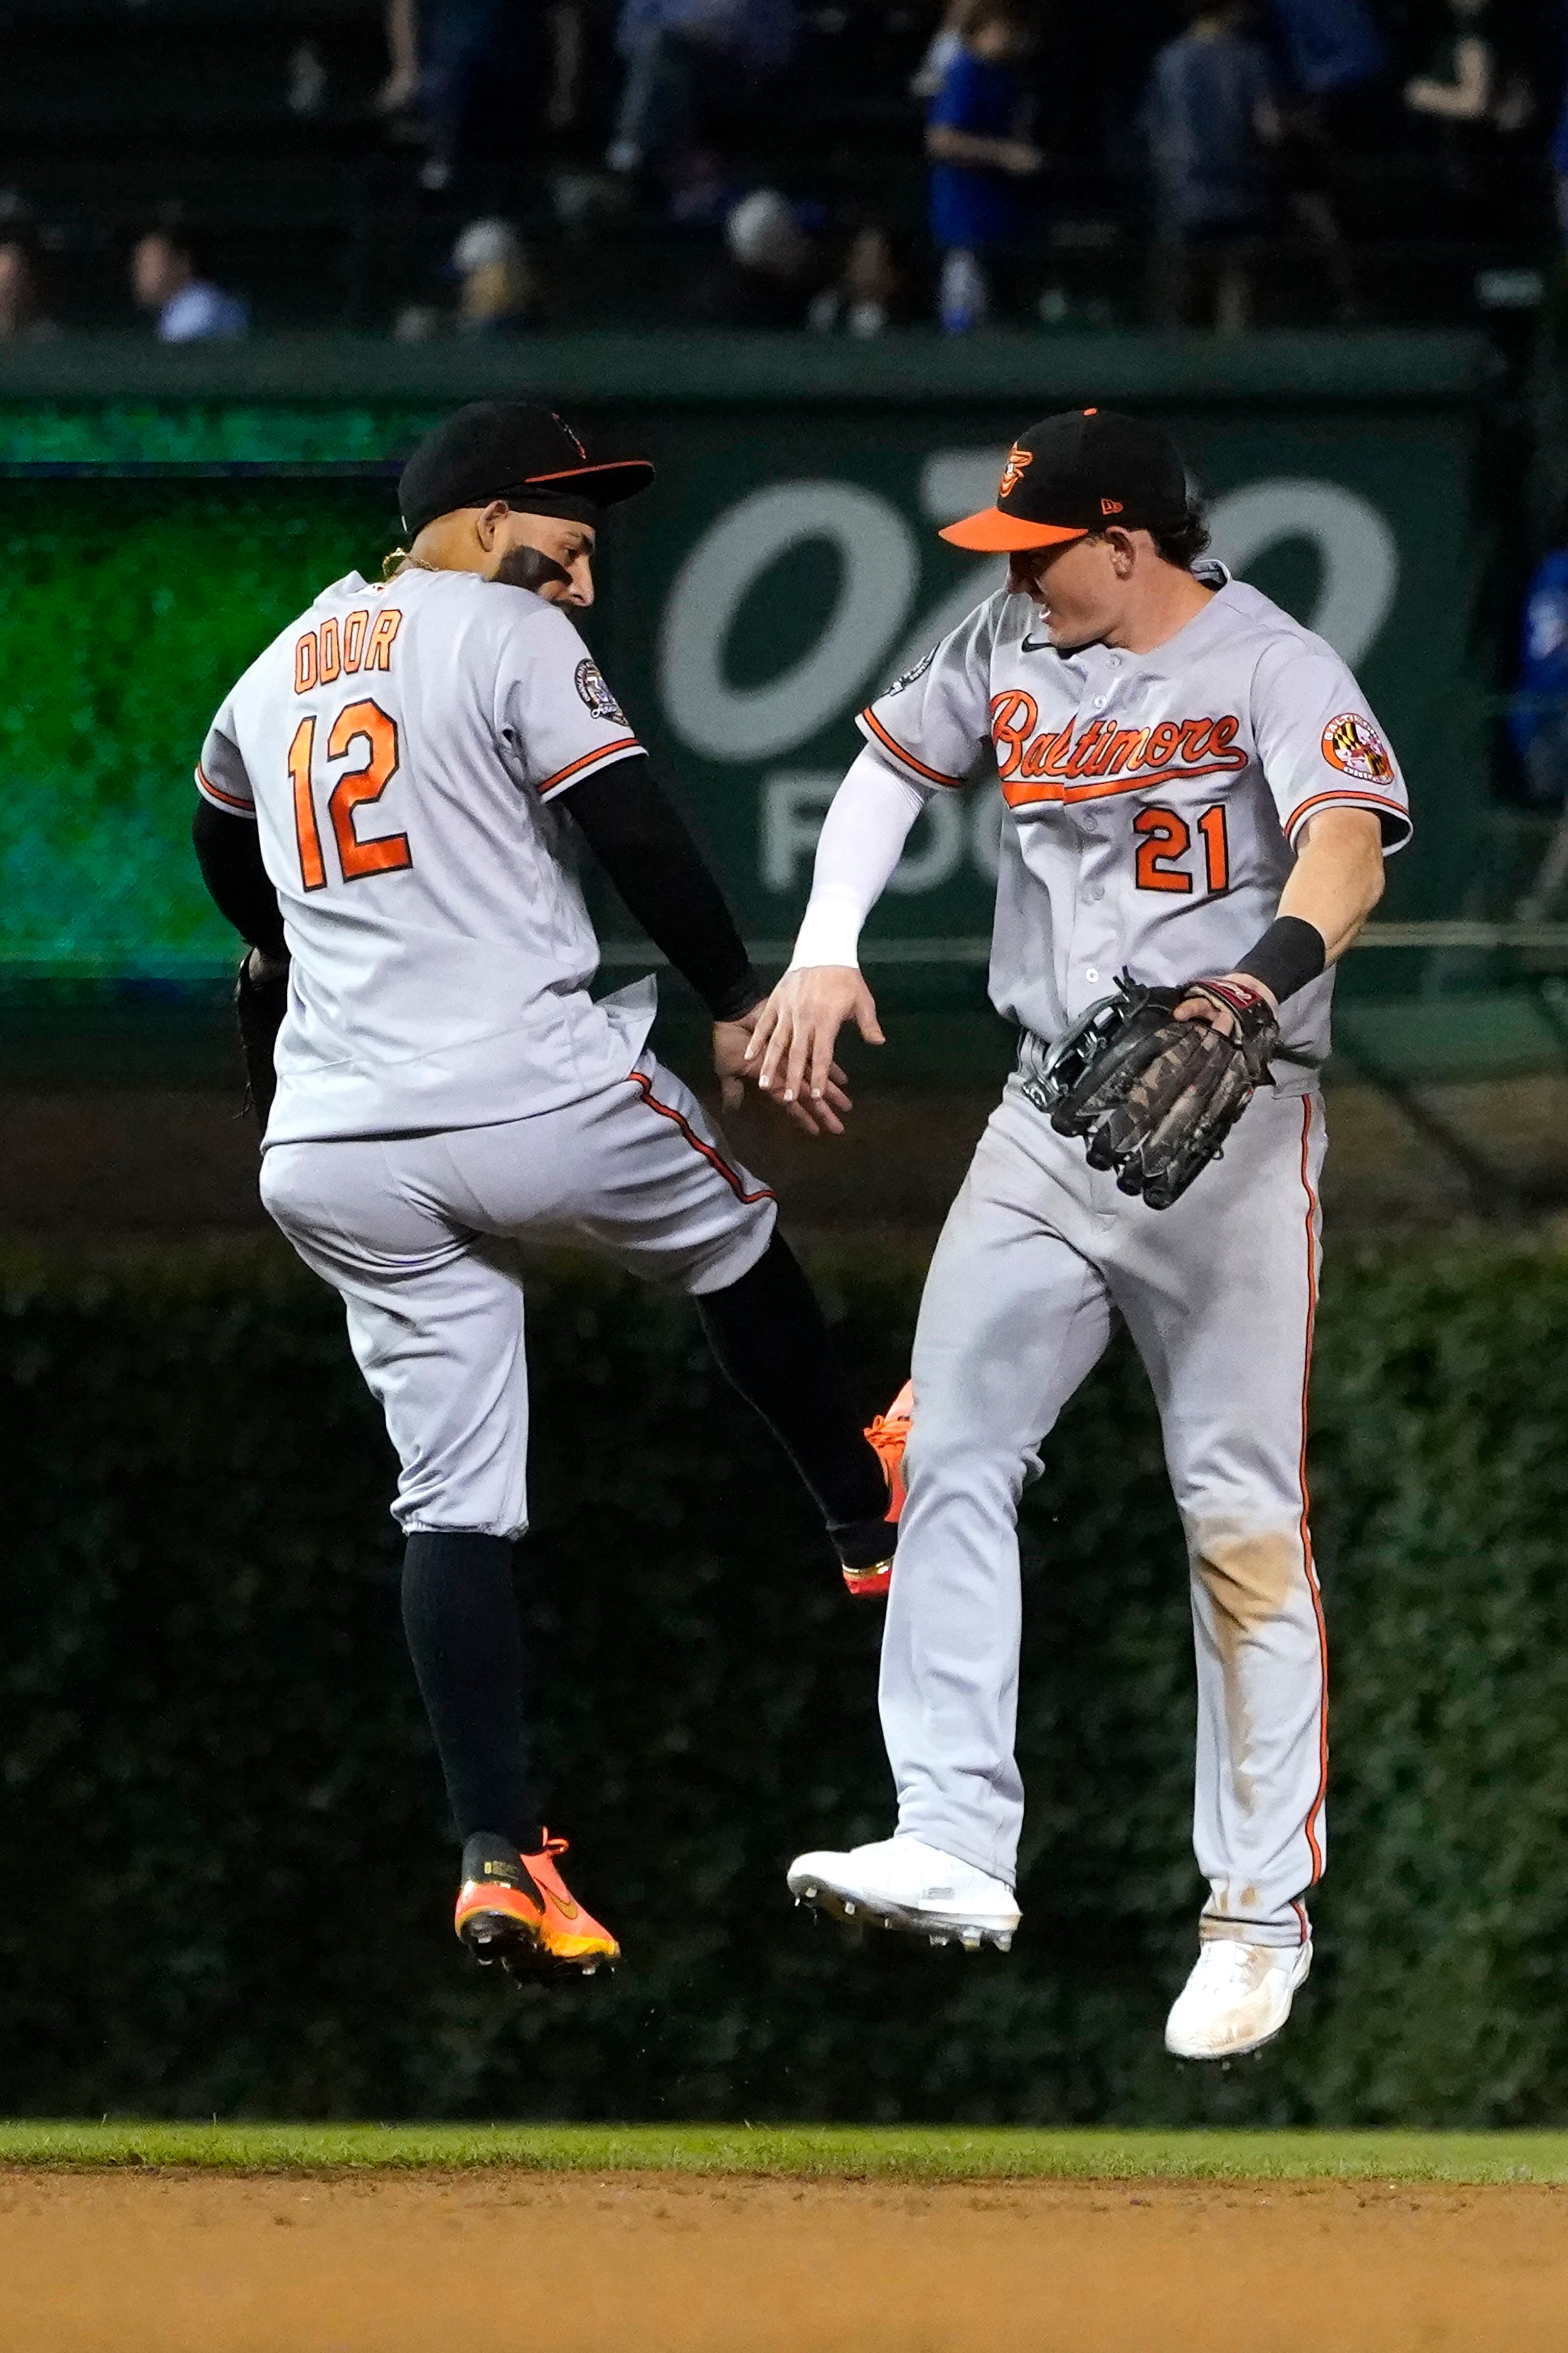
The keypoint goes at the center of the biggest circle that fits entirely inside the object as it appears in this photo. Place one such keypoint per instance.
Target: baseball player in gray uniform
(392, 802)
(1196, 791)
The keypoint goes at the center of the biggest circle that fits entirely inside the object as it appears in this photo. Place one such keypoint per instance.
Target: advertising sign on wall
(785, 566)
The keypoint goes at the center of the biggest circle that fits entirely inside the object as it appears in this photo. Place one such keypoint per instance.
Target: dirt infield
(171, 2262)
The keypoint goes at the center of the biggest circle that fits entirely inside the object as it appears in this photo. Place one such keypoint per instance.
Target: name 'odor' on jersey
(1154, 800)
(400, 748)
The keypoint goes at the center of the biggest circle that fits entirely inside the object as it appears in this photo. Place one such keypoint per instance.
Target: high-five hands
(790, 1049)
(734, 1061)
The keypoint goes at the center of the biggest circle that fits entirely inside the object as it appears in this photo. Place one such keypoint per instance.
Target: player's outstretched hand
(791, 1042)
(732, 1061)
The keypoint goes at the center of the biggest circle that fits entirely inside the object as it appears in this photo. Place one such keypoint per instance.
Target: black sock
(772, 1341)
(459, 1613)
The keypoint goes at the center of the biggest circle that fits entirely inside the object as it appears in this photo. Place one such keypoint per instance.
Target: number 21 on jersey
(360, 725)
(1163, 841)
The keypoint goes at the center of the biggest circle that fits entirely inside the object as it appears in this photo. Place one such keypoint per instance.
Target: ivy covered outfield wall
(227, 1880)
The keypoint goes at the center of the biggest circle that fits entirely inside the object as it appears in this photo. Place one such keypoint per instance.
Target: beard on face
(530, 568)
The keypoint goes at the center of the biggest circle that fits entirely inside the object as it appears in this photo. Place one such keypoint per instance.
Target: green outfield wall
(228, 1879)
(163, 514)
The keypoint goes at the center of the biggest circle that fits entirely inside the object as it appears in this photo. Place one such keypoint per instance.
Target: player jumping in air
(383, 814)
(1196, 792)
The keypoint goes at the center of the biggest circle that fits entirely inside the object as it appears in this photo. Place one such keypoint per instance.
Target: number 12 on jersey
(363, 723)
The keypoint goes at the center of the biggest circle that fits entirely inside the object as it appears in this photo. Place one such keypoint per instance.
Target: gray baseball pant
(1038, 1255)
(412, 1230)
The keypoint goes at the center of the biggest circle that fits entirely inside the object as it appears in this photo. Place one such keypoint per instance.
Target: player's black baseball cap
(1076, 473)
(505, 449)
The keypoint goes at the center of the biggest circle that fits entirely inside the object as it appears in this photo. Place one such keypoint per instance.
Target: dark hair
(1183, 542)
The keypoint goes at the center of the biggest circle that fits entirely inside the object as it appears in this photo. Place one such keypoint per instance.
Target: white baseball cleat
(1237, 1998)
(902, 1883)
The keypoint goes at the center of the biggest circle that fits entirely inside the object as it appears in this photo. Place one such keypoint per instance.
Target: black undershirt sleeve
(228, 852)
(640, 839)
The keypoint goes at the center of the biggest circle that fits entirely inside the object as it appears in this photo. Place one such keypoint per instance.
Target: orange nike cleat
(518, 1910)
(888, 1435)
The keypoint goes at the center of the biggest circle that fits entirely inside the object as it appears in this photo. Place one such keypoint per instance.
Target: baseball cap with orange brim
(1076, 473)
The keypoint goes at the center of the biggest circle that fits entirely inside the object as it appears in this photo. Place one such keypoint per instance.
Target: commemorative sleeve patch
(1353, 744)
(916, 670)
(591, 686)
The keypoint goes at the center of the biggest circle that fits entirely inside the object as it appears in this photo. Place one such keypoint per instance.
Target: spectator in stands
(944, 46)
(398, 92)
(1210, 118)
(979, 151)
(766, 279)
(871, 292)
(22, 319)
(1537, 720)
(482, 75)
(500, 291)
(700, 189)
(190, 309)
(309, 87)
(692, 67)
(1331, 47)
(1460, 81)
(1472, 93)
(1334, 56)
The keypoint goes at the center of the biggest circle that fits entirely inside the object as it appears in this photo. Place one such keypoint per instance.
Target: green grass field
(826, 2152)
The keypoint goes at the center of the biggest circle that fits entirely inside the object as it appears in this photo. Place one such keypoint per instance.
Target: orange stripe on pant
(1315, 1810)
(667, 1110)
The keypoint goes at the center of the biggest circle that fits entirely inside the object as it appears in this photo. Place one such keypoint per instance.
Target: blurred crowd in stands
(495, 166)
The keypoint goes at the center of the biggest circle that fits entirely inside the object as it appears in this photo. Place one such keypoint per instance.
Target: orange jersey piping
(615, 751)
(1348, 797)
(204, 784)
(932, 775)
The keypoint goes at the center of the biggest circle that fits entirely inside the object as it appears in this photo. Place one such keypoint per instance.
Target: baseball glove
(259, 1008)
(1154, 1097)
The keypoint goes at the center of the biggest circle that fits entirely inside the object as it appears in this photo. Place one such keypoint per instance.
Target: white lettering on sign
(954, 827)
(1357, 551)
(795, 803)
(880, 567)
(956, 482)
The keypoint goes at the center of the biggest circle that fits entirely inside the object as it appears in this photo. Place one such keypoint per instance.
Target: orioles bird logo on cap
(1017, 460)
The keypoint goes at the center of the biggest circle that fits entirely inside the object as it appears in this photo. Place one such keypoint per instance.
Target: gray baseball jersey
(1156, 798)
(400, 747)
